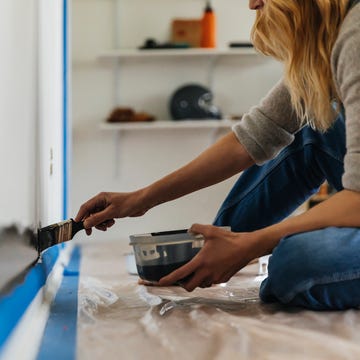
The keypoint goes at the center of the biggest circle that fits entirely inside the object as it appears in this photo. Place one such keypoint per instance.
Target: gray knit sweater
(270, 126)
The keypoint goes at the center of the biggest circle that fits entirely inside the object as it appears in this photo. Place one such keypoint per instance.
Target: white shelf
(215, 128)
(169, 124)
(191, 52)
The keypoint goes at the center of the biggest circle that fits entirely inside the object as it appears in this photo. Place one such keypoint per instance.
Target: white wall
(146, 85)
(17, 111)
(31, 98)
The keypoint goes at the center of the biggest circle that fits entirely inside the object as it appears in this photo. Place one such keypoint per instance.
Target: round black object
(193, 102)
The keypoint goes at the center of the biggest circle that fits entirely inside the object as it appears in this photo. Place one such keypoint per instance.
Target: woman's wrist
(147, 197)
(266, 239)
(249, 246)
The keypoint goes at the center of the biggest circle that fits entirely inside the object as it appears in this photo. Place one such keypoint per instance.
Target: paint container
(158, 254)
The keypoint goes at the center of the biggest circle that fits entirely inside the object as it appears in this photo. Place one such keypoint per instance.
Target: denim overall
(318, 270)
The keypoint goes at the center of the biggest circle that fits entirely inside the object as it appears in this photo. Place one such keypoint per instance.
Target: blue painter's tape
(14, 304)
(59, 340)
(49, 258)
(71, 272)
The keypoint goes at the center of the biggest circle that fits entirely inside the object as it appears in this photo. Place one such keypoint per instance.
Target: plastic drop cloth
(119, 319)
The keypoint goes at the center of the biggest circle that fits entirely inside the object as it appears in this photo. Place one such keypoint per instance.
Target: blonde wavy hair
(301, 34)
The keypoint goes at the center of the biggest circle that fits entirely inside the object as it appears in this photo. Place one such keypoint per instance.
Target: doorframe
(53, 107)
(66, 113)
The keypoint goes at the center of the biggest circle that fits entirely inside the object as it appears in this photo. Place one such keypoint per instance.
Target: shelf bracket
(117, 138)
(211, 71)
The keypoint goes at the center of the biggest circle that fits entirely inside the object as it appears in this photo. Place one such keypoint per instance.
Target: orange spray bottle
(208, 27)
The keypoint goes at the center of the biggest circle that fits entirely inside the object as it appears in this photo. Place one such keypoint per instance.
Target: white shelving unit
(168, 124)
(118, 57)
(119, 54)
(214, 126)
(212, 56)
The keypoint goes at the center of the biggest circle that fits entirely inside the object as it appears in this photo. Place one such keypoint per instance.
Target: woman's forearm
(340, 210)
(222, 160)
(219, 162)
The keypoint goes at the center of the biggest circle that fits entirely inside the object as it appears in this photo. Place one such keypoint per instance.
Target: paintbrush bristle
(63, 231)
(54, 234)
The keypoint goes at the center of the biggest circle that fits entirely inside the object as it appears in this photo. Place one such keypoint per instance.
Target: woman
(305, 131)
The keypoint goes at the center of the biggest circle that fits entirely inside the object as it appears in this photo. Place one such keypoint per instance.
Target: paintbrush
(57, 233)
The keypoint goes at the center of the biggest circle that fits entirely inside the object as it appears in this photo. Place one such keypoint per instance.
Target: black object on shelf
(152, 44)
(241, 45)
(193, 101)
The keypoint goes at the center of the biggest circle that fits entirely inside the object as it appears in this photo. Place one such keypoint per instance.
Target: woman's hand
(223, 254)
(102, 210)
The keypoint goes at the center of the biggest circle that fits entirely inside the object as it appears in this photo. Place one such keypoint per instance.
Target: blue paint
(65, 110)
(59, 340)
(14, 304)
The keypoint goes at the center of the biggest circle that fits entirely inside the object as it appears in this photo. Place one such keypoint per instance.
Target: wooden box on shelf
(186, 31)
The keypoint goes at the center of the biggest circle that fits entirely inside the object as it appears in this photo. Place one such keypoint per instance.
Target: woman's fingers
(101, 210)
(146, 283)
(179, 274)
(110, 223)
(208, 231)
(99, 219)
(202, 270)
(89, 207)
(193, 275)
(201, 229)
(105, 225)
(197, 280)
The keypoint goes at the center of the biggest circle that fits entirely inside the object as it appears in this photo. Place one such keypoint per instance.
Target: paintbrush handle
(76, 227)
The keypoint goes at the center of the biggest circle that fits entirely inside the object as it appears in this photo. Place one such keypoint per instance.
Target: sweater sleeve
(346, 69)
(267, 128)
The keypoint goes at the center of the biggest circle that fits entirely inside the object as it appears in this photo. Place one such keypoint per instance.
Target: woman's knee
(316, 270)
(289, 266)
